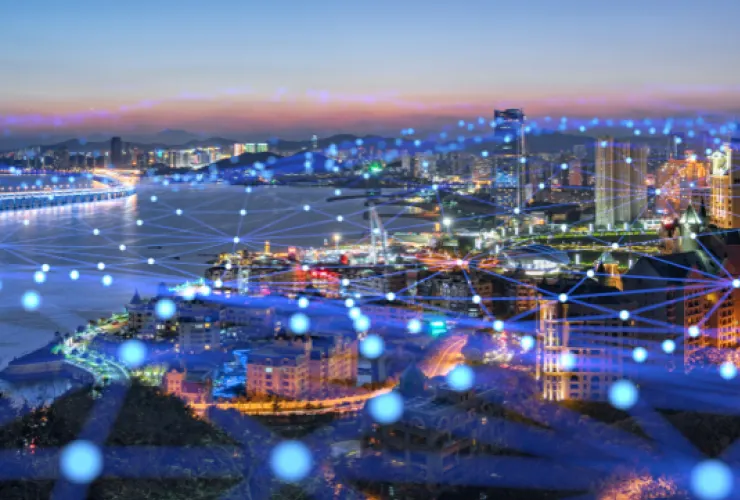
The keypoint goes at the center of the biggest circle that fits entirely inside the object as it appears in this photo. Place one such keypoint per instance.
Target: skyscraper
(638, 190)
(116, 152)
(604, 173)
(615, 182)
(725, 196)
(509, 155)
(315, 142)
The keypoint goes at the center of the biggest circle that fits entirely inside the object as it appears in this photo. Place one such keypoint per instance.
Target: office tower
(575, 174)
(676, 146)
(725, 186)
(238, 149)
(315, 142)
(509, 176)
(638, 190)
(250, 147)
(262, 147)
(613, 182)
(116, 152)
(61, 158)
(406, 163)
(604, 173)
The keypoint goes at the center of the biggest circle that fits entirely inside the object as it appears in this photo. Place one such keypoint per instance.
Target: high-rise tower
(725, 195)
(638, 190)
(604, 173)
(116, 152)
(509, 182)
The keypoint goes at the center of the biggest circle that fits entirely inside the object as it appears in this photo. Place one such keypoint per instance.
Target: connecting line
(473, 291)
(261, 229)
(419, 282)
(701, 291)
(576, 285)
(716, 261)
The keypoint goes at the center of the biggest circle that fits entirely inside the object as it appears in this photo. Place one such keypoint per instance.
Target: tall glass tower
(509, 176)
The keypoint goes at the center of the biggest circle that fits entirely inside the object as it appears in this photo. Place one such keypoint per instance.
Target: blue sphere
(668, 346)
(299, 323)
(727, 370)
(414, 326)
(372, 346)
(362, 323)
(31, 300)
(291, 461)
(303, 302)
(639, 354)
(39, 277)
(386, 408)
(527, 342)
(712, 480)
(81, 462)
(623, 394)
(165, 309)
(461, 378)
(132, 353)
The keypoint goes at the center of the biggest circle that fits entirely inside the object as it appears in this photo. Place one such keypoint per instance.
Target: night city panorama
(389, 250)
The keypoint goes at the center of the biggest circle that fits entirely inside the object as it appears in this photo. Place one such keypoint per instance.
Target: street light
(337, 237)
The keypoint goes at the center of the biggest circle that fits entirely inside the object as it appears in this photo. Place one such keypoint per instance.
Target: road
(444, 360)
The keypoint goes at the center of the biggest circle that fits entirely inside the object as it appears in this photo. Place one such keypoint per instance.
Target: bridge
(23, 200)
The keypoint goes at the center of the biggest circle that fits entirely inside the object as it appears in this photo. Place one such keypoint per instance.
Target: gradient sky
(289, 66)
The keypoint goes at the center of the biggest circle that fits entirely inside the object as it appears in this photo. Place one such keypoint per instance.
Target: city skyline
(147, 71)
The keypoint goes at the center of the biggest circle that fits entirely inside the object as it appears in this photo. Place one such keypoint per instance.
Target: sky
(290, 67)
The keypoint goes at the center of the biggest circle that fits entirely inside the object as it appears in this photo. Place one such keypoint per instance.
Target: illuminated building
(406, 163)
(314, 142)
(613, 183)
(607, 271)
(302, 366)
(508, 190)
(116, 152)
(262, 147)
(580, 349)
(250, 147)
(725, 186)
(638, 189)
(575, 174)
(198, 333)
(238, 149)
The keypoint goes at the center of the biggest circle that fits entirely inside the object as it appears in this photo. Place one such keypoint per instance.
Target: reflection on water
(179, 231)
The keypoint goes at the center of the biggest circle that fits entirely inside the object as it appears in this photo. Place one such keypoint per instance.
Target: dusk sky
(288, 67)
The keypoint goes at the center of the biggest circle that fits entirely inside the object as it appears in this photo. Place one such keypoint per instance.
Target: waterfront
(181, 245)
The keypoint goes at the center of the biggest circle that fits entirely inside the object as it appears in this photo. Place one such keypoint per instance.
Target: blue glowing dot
(712, 480)
(628, 160)
(178, 211)
(603, 144)
(165, 309)
(736, 283)
(567, 361)
(563, 297)
(31, 301)
(291, 461)
(637, 131)
(639, 354)
(461, 378)
(582, 128)
(303, 302)
(668, 346)
(658, 191)
(390, 296)
(623, 394)
(728, 370)
(96, 232)
(242, 212)
(107, 280)
(564, 166)
(349, 303)
(355, 313)
(414, 326)
(476, 299)
(693, 331)
(306, 207)
(45, 268)
(484, 154)
(122, 248)
(236, 239)
(386, 408)
(362, 323)
(132, 353)
(372, 346)
(150, 261)
(652, 130)
(498, 325)
(624, 315)
(153, 198)
(527, 342)
(299, 323)
(81, 462)
(542, 185)
(74, 275)
(39, 277)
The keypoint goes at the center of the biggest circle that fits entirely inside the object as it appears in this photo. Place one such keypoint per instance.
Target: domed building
(413, 382)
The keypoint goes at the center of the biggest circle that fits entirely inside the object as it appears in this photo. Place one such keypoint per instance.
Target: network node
(81, 462)
(712, 480)
(624, 315)
(291, 461)
(386, 408)
(461, 378)
(623, 394)
(372, 346)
